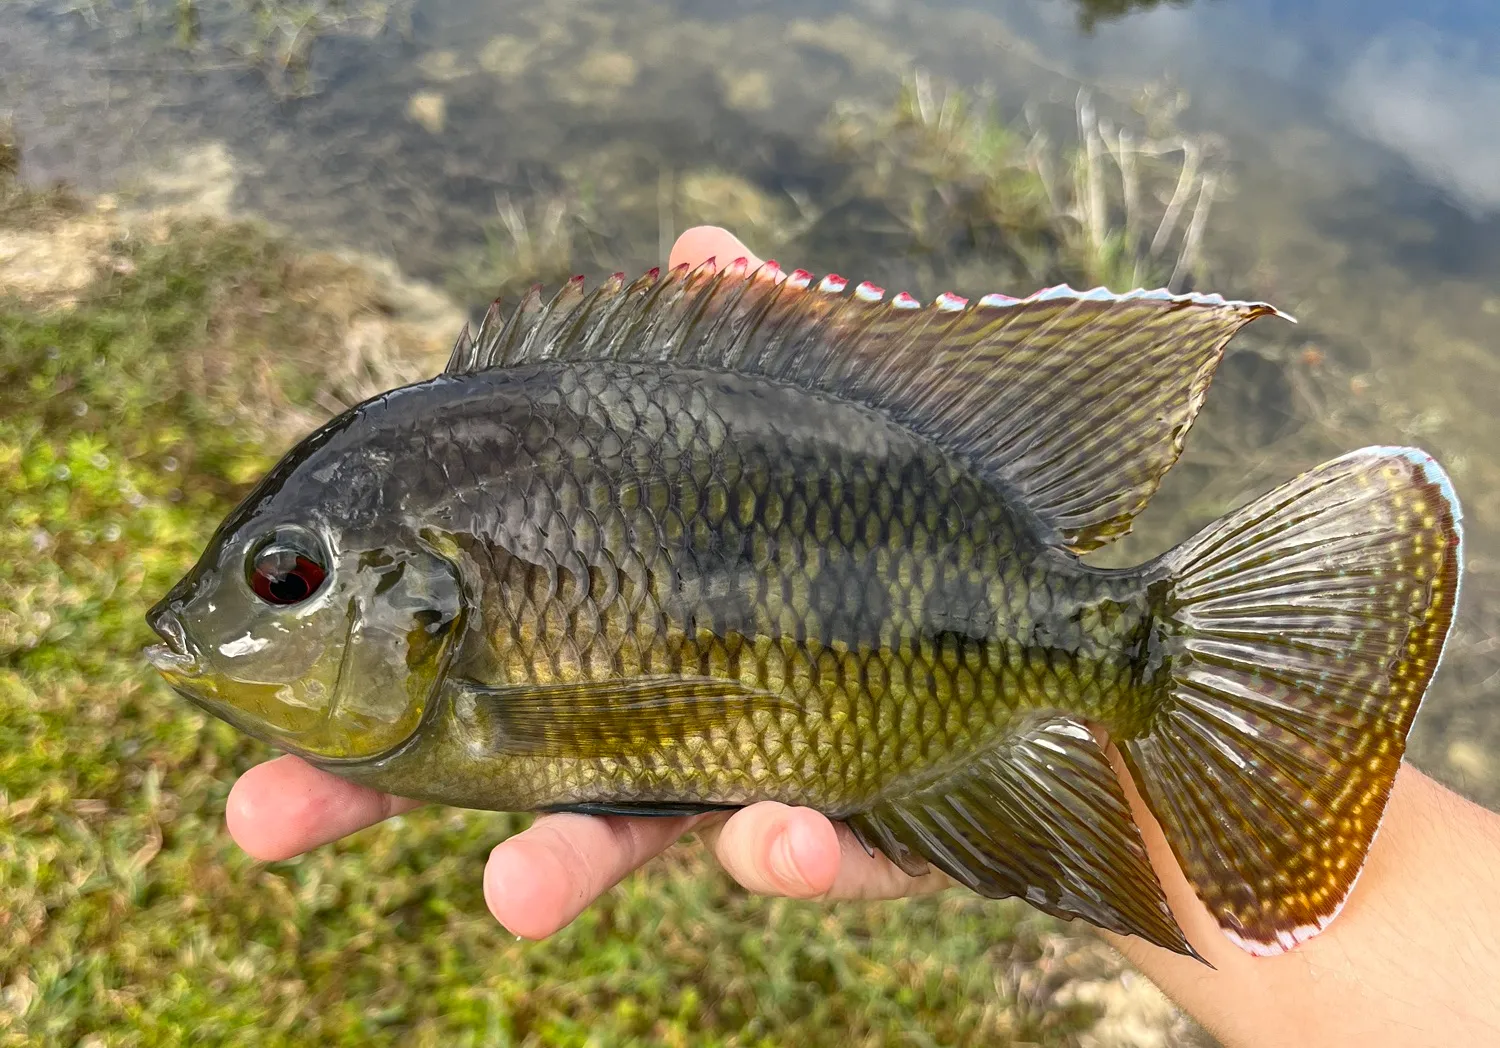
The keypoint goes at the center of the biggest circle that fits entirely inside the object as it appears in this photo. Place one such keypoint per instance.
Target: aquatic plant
(522, 246)
(1124, 204)
(1092, 12)
(274, 37)
(281, 43)
(22, 204)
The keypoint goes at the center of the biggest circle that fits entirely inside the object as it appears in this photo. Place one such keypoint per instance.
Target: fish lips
(176, 657)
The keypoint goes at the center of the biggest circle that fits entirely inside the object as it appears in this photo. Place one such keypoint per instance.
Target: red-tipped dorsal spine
(833, 284)
(869, 292)
(948, 302)
(905, 301)
(799, 279)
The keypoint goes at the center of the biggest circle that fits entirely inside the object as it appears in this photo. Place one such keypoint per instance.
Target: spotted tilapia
(711, 538)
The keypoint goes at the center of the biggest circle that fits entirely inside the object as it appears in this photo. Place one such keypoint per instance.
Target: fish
(718, 535)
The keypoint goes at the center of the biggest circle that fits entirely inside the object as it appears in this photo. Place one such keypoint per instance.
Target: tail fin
(1300, 634)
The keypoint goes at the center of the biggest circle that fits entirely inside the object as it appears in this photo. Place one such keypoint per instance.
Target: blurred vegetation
(273, 37)
(1122, 205)
(22, 205)
(131, 419)
(940, 176)
(517, 251)
(1092, 12)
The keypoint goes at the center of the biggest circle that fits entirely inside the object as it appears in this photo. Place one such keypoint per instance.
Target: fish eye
(286, 567)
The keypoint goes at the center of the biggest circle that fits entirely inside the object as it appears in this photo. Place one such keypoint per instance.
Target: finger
(701, 243)
(774, 849)
(285, 807)
(540, 879)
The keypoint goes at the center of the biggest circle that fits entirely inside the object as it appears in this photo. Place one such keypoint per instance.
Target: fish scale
(706, 539)
(925, 595)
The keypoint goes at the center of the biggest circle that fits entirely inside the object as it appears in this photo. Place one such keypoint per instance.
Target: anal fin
(1041, 817)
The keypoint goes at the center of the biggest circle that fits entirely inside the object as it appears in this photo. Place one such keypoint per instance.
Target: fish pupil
(285, 576)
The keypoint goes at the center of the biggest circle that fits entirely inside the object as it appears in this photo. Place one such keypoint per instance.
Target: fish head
(322, 638)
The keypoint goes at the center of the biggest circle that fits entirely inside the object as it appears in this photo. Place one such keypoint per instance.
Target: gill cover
(344, 672)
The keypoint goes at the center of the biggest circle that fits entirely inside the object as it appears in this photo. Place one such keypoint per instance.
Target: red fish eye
(285, 576)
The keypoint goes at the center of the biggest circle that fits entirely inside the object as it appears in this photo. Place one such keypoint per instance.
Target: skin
(1412, 961)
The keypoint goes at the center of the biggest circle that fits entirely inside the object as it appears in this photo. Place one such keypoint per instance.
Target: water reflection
(1434, 99)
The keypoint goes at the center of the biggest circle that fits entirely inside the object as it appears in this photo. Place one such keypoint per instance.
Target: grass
(130, 420)
(1121, 204)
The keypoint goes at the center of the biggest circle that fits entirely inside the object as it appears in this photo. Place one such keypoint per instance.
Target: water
(1361, 191)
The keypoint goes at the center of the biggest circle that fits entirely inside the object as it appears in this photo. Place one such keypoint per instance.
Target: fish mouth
(169, 661)
(176, 656)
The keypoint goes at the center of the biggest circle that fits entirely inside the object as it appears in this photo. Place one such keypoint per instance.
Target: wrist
(1412, 959)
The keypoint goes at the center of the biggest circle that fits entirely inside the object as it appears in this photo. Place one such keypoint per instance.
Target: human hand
(540, 879)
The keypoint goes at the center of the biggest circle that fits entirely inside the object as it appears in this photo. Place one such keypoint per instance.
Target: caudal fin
(1300, 634)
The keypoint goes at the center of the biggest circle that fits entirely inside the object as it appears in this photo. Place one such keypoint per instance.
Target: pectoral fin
(606, 719)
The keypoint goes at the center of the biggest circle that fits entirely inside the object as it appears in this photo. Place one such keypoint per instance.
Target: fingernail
(784, 862)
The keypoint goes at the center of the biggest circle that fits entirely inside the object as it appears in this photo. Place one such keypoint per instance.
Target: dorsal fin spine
(625, 320)
(586, 310)
(647, 321)
(489, 327)
(768, 291)
(730, 320)
(682, 343)
(511, 337)
(461, 359)
(561, 310)
(810, 337)
(1079, 401)
(599, 342)
(598, 308)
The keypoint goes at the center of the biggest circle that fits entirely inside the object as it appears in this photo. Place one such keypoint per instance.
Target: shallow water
(1363, 186)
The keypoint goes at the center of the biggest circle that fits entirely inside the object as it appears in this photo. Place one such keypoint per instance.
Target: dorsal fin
(1080, 401)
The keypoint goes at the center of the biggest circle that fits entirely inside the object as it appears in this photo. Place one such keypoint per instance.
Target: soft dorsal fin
(1080, 401)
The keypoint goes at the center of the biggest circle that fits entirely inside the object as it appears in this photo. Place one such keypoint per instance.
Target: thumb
(701, 243)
